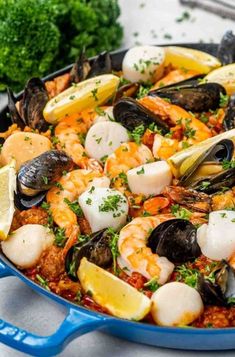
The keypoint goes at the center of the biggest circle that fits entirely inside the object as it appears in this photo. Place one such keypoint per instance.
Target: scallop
(176, 304)
(25, 245)
(105, 115)
(103, 138)
(217, 238)
(143, 63)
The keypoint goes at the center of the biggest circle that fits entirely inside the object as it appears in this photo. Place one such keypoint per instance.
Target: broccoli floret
(29, 39)
(40, 36)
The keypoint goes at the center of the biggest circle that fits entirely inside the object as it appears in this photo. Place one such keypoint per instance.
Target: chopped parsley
(184, 17)
(83, 238)
(205, 184)
(152, 285)
(228, 164)
(223, 215)
(43, 282)
(58, 184)
(189, 132)
(231, 300)
(224, 98)
(60, 237)
(141, 171)
(180, 212)
(103, 159)
(74, 206)
(112, 204)
(89, 201)
(137, 133)
(98, 140)
(94, 93)
(100, 111)
(72, 97)
(113, 244)
(143, 91)
(81, 137)
(46, 206)
(189, 276)
(45, 180)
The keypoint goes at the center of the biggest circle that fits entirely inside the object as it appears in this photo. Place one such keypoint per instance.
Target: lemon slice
(118, 297)
(7, 188)
(190, 59)
(224, 76)
(87, 94)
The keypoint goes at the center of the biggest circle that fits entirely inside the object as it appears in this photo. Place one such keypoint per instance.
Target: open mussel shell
(101, 65)
(218, 291)
(23, 202)
(40, 173)
(97, 251)
(14, 114)
(80, 68)
(216, 182)
(35, 97)
(195, 98)
(127, 90)
(217, 153)
(176, 240)
(229, 119)
(226, 49)
(131, 114)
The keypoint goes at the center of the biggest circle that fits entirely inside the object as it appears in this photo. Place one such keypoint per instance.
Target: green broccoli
(40, 36)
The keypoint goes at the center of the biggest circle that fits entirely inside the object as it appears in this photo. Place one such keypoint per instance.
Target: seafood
(194, 130)
(176, 240)
(80, 68)
(42, 172)
(197, 98)
(229, 119)
(13, 111)
(226, 50)
(127, 156)
(70, 133)
(179, 76)
(127, 90)
(216, 182)
(24, 202)
(131, 114)
(96, 250)
(134, 253)
(31, 106)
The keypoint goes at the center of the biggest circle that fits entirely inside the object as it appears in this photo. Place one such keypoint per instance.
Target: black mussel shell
(197, 98)
(23, 202)
(34, 99)
(127, 90)
(229, 119)
(218, 291)
(80, 68)
(176, 240)
(41, 172)
(131, 114)
(97, 251)
(223, 150)
(193, 81)
(226, 49)
(216, 182)
(101, 65)
(14, 114)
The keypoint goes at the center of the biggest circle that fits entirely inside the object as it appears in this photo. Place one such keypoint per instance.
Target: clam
(215, 154)
(131, 114)
(14, 114)
(34, 99)
(226, 49)
(96, 250)
(195, 98)
(221, 288)
(229, 119)
(176, 240)
(40, 173)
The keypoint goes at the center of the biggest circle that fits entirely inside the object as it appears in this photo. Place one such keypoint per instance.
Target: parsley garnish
(74, 206)
(180, 212)
(111, 203)
(43, 282)
(228, 164)
(94, 93)
(189, 276)
(113, 244)
(184, 16)
(141, 171)
(45, 180)
(224, 98)
(137, 133)
(152, 284)
(60, 237)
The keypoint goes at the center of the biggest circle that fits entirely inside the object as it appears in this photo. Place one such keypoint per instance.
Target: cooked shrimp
(68, 189)
(126, 157)
(194, 130)
(174, 76)
(70, 132)
(136, 256)
(163, 147)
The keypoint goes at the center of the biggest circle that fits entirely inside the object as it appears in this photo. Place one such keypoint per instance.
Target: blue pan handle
(75, 324)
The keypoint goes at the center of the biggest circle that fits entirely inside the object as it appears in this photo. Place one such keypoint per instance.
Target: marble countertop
(145, 22)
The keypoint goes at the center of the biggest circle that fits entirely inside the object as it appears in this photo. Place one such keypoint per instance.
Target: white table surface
(144, 21)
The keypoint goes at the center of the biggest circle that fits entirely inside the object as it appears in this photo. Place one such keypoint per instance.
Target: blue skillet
(80, 320)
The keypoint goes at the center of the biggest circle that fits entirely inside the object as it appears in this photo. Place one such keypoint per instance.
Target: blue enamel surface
(80, 321)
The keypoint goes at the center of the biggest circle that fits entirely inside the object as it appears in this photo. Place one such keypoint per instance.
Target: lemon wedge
(7, 188)
(190, 59)
(86, 94)
(118, 297)
(224, 76)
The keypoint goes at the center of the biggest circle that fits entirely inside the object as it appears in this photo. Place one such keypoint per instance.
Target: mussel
(229, 119)
(215, 154)
(215, 183)
(14, 114)
(226, 49)
(31, 107)
(127, 90)
(82, 69)
(23, 202)
(40, 173)
(195, 98)
(176, 240)
(131, 114)
(96, 250)
(221, 288)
